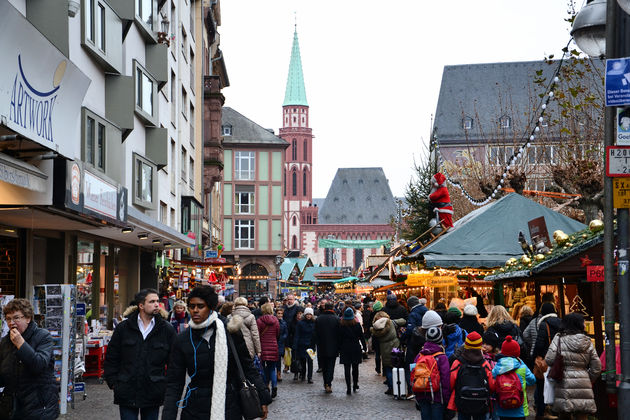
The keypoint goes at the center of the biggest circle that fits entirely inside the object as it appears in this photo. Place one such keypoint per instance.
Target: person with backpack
(384, 329)
(490, 349)
(471, 381)
(430, 377)
(453, 334)
(511, 379)
(500, 322)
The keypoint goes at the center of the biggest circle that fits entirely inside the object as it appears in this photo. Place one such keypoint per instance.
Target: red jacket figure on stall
(441, 200)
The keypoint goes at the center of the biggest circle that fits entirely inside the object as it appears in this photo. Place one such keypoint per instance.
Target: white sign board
(623, 126)
(617, 161)
(41, 91)
(99, 196)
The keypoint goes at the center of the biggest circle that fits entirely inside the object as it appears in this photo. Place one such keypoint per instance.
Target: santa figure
(441, 200)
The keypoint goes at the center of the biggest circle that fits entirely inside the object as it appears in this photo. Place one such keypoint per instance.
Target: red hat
(473, 341)
(439, 178)
(510, 347)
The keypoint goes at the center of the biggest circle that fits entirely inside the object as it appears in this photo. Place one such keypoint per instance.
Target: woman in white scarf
(202, 351)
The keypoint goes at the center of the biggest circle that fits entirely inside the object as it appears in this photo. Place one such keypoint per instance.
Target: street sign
(617, 82)
(210, 253)
(618, 161)
(621, 193)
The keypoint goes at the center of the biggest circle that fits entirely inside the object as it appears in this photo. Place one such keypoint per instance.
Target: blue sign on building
(80, 309)
(210, 253)
(617, 82)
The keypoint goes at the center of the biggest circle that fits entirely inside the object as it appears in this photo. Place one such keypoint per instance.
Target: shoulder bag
(557, 369)
(248, 395)
(540, 366)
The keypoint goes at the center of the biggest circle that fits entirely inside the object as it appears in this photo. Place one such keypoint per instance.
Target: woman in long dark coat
(351, 347)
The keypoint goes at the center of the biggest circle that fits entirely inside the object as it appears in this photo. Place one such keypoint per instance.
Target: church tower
(298, 166)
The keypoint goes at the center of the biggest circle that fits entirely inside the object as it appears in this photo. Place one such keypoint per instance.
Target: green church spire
(295, 93)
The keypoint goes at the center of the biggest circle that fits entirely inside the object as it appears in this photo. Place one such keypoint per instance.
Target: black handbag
(556, 372)
(296, 365)
(248, 395)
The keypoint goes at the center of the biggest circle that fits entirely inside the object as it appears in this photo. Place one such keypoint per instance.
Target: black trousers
(328, 369)
(377, 354)
(307, 362)
(355, 373)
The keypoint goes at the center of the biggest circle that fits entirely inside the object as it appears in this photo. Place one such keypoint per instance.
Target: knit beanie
(309, 311)
(547, 308)
(413, 301)
(434, 335)
(348, 314)
(470, 310)
(491, 338)
(455, 311)
(431, 319)
(510, 347)
(378, 305)
(392, 297)
(451, 318)
(473, 341)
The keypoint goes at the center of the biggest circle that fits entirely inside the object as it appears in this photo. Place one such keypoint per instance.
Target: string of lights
(536, 123)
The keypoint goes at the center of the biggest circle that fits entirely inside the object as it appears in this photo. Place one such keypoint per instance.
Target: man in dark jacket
(417, 311)
(258, 312)
(326, 339)
(394, 309)
(137, 357)
(290, 317)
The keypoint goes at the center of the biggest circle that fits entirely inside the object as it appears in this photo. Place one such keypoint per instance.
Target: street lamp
(589, 28)
(279, 260)
(163, 34)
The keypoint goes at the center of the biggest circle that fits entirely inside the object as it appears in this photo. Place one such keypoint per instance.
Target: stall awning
(348, 243)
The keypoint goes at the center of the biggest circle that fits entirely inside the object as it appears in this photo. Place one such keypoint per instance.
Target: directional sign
(618, 82)
(621, 193)
(618, 161)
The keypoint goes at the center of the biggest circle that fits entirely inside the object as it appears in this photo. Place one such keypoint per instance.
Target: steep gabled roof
(358, 196)
(246, 131)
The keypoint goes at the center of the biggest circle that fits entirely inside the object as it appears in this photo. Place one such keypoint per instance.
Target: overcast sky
(373, 69)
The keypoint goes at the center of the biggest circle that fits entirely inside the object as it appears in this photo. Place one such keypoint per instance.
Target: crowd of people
(449, 360)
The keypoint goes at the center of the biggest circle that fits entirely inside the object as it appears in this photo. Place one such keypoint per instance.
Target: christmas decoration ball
(539, 257)
(596, 226)
(510, 262)
(560, 237)
(525, 259)
(584, 236)
(549, 252)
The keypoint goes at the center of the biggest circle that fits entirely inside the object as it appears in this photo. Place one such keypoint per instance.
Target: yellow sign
(442, 281)
(621, 193)
(430, 280)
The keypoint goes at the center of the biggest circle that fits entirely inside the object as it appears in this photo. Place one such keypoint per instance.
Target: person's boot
(328, 389)
(295, 377)
(274, 392)
(279, 375)
(348, 386)
(355, 386)
(348, 392)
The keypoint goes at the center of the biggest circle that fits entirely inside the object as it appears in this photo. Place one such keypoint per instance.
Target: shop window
(244, 165)
(85, 271)
(144, 185)
(244, 199)
(244, 234)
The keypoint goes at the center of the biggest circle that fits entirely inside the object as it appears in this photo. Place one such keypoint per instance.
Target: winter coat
(384, 330)
(395, 310)
(303, 338)
(243, 316)
(326, 336)
(473, 357)
(368, 314)
(290, 317)
(28, 373)
(282, 337)
(506, 364)
(178, 324)
(581, 368)
(469, 324)
(530, 334)
(199, 365)
(444, 370)
(135, 368)
(524, 322)
(543, 338)
(504, 329)
(414, 320)
(454, 337)
(351, 343)
(269, 329)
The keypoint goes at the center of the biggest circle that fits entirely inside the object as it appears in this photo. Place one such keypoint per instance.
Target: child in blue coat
(507, 361)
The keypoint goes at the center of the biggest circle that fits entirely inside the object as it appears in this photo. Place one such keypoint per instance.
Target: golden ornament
(549, 252)
(539, 257)
(511, 262)
(560, 237)
(596, 225)
(584, 236)
(525, 259)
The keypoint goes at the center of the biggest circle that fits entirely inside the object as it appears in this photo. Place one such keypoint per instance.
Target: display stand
(55, 310)
(4, 328)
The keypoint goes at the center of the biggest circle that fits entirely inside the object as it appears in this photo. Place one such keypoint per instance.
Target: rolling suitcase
(399, 384)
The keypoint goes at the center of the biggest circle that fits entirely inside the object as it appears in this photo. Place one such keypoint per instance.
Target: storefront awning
(22, 174)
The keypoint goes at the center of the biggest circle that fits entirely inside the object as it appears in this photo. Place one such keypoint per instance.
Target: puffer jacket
(543, 338)
(530, 334)
(247, 322)
(414, 320)
(269, 329)
(385, 331)
(28, 373)
(581, 368)
(507, 364)
(453, 338)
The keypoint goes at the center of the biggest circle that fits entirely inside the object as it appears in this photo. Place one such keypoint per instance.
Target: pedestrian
(326, 338)
(511, 376)
(525, 316)
(454, 335)
(246, 321)
(500, 322)
(531, 332)
(394, 309)
(471, 381)
(431, 374)
(226, 309)
(282, 337)
(548, 326)
(27, 366)
(269, 332)
(469, 322)
(376, 308)
(440, 308)
(357, 313)
(351, 347)
(204, 354)
(574, 395)
(179, 316)
(291, 309)
(303, 340)
(414, 320)
(384, 329)
(490, 350)
(258, 311)
(367, 315)
(481, 308)
(137, 357)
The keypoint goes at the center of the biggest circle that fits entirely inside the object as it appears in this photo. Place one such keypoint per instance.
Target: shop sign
(621, 193)
(18, 173)
(41, 91)
(538, 232)
(216, 260)
(442, 281)
(99, 196)
(210, 253)
(595, 273)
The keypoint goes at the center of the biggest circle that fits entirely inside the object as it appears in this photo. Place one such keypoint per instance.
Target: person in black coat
(290, 317)
(394, 309)
(548, 325)
(137, 357)
(351, 347)
(326, 338)
(303, 340)
(469, 321)
(26, 365)
(200, 352)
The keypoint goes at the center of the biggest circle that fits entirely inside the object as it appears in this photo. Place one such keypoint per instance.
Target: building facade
(252, 202)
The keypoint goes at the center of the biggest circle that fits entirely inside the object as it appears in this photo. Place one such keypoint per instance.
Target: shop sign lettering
(595, 273)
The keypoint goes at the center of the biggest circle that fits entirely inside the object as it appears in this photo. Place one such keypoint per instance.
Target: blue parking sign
(617, 82)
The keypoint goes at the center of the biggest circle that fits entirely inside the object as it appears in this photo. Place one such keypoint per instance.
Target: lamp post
(601, 29)
(163, 37)
(279, 260)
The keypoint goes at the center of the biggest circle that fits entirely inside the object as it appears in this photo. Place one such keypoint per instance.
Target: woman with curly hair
(502, 324)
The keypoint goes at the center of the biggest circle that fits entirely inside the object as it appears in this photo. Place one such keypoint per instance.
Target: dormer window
(505, 122)
(467, 123)
(226, 130)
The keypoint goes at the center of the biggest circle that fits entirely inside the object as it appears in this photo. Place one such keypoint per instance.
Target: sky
(373, 69)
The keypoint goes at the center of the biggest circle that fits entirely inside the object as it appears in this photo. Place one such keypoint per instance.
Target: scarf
(219, 384)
